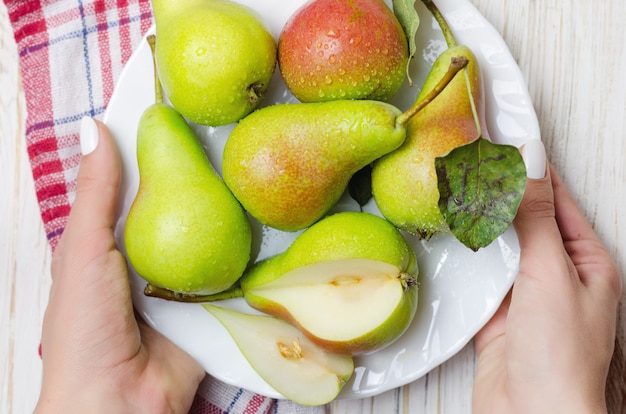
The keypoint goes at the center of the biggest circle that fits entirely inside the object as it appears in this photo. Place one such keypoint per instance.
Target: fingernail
(88, 135)
(534, 155)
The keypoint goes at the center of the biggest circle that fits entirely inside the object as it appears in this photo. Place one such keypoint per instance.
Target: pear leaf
(360, 186)
(409, 20)
(481, 185)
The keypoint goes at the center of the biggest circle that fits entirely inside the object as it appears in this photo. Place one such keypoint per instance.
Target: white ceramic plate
(459, 289)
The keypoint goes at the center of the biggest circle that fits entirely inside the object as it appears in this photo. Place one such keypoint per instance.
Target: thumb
(89, 231)
(541, 243)
(536, 213)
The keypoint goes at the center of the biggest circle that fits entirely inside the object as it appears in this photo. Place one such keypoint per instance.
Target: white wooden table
(573, 56)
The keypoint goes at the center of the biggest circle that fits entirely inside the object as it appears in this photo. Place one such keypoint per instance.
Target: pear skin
(332, 50)
(215, 58)
(404, 182)
(288, 164)
(348, 282)
(185, 230)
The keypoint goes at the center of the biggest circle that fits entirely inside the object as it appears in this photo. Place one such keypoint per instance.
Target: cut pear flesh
(285, 358)
(337, 300)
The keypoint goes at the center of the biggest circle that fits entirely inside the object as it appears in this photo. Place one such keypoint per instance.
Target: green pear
(348, 283)
(289, 362)
(404, 182)
(333, 49)
(215, 58)
(185, 231)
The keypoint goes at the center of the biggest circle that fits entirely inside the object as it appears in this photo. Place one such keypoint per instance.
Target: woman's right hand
(549, 346)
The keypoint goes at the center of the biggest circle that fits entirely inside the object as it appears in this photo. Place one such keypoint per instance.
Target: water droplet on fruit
(366, 78)
(321, 94)
(334, 33)
(328, 80)
(200, 51)
(332, 58)
(320, 54)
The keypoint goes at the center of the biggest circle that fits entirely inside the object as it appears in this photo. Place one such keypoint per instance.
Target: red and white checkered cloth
(71, 54)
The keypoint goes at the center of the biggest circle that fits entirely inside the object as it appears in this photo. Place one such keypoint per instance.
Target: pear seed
(346, 280)
(290, 352)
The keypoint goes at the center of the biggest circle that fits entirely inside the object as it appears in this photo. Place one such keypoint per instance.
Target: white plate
(459, 289)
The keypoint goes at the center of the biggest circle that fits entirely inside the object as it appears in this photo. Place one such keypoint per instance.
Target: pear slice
(347, 306)
(285, 358)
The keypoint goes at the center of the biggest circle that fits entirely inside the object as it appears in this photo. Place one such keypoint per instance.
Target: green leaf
(409, 20)
(480, 189)
(360, 186)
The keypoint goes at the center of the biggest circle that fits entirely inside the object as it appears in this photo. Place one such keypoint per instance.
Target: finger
(89, 229)
(573, 224)
(536, 226)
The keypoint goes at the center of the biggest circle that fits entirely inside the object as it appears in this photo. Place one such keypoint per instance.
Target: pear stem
(162, 293)
(445, 28)
(158, 90)
(456, 64)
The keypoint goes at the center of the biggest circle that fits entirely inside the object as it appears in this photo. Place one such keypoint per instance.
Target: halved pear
(285, 358)
(347, 306)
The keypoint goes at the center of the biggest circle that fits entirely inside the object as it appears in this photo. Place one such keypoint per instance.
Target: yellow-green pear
(288, 361)
(404, 182)
(215, 58)
(288, 164)
(348, 283)
(185, 231)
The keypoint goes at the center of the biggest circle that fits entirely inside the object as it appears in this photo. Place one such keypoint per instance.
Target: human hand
(549, 346)
(97, 357)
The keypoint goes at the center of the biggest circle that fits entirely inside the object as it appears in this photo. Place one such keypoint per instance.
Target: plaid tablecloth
(71, 54)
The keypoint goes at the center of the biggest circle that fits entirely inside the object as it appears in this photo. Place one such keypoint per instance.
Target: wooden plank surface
(572, 55)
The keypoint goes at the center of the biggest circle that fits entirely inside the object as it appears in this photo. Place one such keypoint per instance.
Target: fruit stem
(456, 64)
(445, 28)
(162, 293)
(408, 280)
(158, 91)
